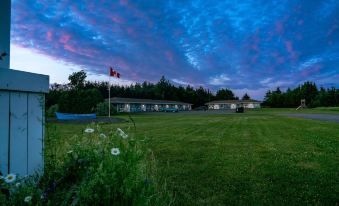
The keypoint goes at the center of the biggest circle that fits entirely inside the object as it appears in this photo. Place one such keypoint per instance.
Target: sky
(247, 46)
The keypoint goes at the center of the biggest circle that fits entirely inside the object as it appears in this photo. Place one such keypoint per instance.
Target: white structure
(148, 105)
(22, 100)
(233, 104)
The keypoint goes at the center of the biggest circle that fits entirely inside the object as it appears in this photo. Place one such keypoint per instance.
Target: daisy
(122, 133)
(102, 135)
(89, 130)
(115, 151)
(10, 178)
(28, 199)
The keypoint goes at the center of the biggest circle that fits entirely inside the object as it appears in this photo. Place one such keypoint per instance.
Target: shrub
(51, 111)
(102, 109)
(79, 101)
(98, 169)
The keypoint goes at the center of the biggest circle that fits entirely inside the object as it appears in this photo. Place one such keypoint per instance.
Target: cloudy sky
(247, 45)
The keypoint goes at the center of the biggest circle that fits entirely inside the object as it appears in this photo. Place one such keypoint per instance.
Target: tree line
(314, 97)
(81, 96)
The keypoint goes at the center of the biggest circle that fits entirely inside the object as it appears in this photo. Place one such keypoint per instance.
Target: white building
(233, 104)
(148, 105)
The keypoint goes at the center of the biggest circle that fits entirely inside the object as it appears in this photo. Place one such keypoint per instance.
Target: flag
(113, 73)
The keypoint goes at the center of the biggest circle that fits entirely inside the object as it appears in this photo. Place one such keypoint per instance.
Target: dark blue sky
(243, 45)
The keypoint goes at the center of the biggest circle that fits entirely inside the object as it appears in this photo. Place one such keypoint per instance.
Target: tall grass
(93, 168)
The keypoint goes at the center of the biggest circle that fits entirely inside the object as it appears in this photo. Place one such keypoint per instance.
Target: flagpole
(109, 93)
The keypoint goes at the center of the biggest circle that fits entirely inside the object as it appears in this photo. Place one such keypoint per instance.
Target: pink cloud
(123, 2)
(169, 56)
(280, 60)
(289, 46)
(49, 35)
(279, 27)
(117, 19)
(64, 38)
(70, 48)
(311, 70)
(300, 22)
(131, 32)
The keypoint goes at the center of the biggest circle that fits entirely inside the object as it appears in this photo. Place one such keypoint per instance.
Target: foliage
(77, 79)
(88, 173)
(163, 89)
(246, 97)
(54, 94)
(79, 101)
(225, 94)
(307, 91)
(51, 110)
(102, 109)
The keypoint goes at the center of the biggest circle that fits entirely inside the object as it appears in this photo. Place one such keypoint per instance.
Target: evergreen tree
(246, 97)
(225, 94)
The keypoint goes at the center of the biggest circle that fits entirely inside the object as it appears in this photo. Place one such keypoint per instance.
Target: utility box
(22, 110)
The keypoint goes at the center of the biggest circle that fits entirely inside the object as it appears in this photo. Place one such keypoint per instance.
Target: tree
(79, 101)
(163, 88)
(308, 91)
(202, 96)
(225, 94)
(268, 99)
(246, 97)
(77, 79)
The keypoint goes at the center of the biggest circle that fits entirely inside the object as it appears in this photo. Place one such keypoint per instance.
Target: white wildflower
(17, 184)
(89, 130)
(115, 151)
(10, 178)
(69, 152)
(102, 135)
(28, 199)
(122, 133)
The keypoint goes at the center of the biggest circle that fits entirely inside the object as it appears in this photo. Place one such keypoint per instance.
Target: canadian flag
(113, 73)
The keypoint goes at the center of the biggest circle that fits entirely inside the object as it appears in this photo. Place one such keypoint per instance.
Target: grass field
(255, 158)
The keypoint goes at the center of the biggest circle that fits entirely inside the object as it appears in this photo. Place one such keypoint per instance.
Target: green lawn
(256, 158)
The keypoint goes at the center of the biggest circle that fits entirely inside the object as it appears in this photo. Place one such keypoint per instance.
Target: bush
(102, 109)
(79, 101)
(51, 111)
(98, 169)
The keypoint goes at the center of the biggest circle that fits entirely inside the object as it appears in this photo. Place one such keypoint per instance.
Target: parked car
(240, 109)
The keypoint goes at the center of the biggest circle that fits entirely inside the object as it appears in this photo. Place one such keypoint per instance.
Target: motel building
(233, 104)
(148, 105)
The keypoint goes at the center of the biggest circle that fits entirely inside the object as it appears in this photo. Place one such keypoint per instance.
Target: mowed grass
(256, 158)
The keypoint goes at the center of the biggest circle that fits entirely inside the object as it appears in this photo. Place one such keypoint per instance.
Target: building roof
(233, 101)
(144, 101)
